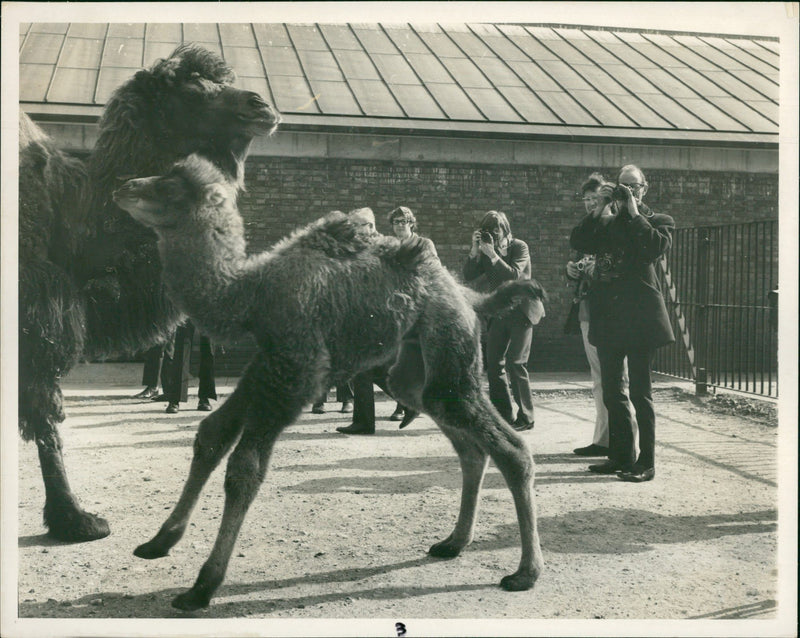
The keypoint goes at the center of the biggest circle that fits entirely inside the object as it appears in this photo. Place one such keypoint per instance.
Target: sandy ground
(342, 524)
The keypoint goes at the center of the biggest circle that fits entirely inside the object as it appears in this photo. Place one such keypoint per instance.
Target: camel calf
(323, 305)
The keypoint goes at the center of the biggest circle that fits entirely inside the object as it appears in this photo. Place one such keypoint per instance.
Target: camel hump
(415, 251)
(333, 235)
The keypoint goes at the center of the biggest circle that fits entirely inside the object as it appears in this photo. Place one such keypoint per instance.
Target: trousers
(600, 436)
(178, 389)
(508, 345)
(621, 424)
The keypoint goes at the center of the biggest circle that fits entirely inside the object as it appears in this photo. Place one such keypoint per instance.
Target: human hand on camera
(487, 247)
(572, 270)
(476, 243)
(624, 199)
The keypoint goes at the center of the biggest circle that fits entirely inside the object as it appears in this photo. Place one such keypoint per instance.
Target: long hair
(497, 219)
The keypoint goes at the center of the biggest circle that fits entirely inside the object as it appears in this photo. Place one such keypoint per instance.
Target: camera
(486, 237)
(620, 193)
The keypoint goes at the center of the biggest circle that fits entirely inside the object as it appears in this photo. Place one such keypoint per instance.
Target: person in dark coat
(404, 226)
(627, 314)
(497, 256)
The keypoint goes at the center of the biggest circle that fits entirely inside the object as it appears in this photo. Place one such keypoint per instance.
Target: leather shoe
(148, 393)
(397, 415)
(356, 428)
(347, 407)
(172, 408)
(638, 474)
(591, 450)
(408, 416)
(521, 425)
(204, 405)
(318, 408)
(609, 467)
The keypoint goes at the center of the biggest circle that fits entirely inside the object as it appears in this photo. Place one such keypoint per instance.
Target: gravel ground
(342, 524)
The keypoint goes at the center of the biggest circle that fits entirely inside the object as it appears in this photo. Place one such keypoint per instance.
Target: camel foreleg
(63, 516)
(247, 467)
(215, 437)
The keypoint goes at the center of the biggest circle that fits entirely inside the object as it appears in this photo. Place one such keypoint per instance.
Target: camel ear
(215, 194)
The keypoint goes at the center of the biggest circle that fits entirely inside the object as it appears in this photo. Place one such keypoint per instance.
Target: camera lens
(620, 192)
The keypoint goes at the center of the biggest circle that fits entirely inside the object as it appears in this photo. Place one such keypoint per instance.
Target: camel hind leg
(480, 430)
(215, 437)
(473, 467)
(454, 399)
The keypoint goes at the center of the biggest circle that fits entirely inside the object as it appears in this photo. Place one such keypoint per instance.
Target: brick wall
(542, 204)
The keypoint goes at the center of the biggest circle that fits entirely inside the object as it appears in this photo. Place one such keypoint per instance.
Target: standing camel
(89, 275)
(323, 305)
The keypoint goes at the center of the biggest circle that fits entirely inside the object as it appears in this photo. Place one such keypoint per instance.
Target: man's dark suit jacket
(514, 265)
(626, 307)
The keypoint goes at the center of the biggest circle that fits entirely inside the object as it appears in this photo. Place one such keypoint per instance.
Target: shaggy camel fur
(89, 275)
(323, 304)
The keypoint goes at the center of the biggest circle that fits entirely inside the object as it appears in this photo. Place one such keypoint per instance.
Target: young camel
(323, 304)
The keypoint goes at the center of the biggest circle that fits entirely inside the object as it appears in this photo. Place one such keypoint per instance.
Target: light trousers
(601, 412)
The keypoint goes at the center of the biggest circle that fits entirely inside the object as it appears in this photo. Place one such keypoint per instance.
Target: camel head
(187, 102)
(192, 196)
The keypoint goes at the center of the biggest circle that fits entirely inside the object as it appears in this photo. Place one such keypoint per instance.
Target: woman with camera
(497, 256)
(627, 315)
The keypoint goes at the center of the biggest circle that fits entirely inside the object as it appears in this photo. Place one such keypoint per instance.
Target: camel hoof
(190, 601)
(519, 581)
(445, 549)
(79, 527)
(150, 550)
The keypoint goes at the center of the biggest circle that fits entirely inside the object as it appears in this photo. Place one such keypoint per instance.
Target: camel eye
(170, 190)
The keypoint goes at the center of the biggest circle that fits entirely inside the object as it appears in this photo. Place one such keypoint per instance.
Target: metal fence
(717, 282)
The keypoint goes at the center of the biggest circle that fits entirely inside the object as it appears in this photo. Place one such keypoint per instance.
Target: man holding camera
(627, 314)
(497, 256)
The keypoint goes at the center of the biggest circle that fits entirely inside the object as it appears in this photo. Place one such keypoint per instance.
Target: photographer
(627, 314)
(581, 270)
(497, 256)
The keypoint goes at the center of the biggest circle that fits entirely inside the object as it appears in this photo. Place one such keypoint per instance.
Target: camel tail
(508, 296)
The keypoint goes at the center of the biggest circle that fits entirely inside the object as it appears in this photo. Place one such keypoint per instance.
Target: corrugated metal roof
(581, 78)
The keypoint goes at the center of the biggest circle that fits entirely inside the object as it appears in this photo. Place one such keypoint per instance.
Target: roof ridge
(596, 27)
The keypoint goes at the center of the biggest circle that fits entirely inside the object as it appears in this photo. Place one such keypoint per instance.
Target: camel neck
(202, 272)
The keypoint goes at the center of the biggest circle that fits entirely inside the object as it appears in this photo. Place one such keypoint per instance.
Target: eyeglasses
(635, 187)
(400, 222)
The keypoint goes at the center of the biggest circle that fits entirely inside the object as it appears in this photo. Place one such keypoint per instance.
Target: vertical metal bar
(772, 284)
(746, 308)
(727, 324)
(760, 297)
(718, 297)
(691, 243)
(742, 366)
(701, 386)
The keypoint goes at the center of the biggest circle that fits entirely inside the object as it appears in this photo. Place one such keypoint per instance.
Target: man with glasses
(581, 270)
(404, 226)
(627, 315)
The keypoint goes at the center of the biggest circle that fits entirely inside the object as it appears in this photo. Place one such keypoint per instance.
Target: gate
(717, 283)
